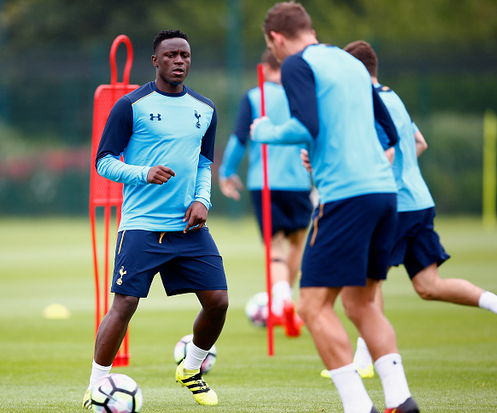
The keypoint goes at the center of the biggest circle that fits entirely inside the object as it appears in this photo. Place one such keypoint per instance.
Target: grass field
(449, 352)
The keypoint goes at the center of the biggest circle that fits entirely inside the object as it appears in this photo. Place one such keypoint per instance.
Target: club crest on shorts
(122, 272)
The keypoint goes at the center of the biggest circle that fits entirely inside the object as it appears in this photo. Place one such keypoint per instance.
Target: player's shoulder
(139, 93)
(383, 89)
(200, 97)
(125, 103)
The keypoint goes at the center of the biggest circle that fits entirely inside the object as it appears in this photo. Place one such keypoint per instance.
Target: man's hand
(304, 155)
(390, 153)
(254, 123)
(196, 215)
(231, 186)
(159, 174)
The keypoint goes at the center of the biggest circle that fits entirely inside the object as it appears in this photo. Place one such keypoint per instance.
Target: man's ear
(277, 37)
(154, 60)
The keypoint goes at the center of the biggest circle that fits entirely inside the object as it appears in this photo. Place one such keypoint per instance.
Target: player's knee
(217, 306)
(425, 293)
(357, 310)
(301, 310)
(348, 309)
(306, 310)
(426, 290)
(124, 306)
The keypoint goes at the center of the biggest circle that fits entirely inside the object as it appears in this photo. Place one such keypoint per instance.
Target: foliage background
(440, 56)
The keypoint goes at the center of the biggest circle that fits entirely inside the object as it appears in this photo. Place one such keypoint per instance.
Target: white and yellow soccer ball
(256, 309)
(116, 393)
(181, 349)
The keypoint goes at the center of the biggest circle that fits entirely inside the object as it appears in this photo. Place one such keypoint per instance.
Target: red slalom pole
(266, 219)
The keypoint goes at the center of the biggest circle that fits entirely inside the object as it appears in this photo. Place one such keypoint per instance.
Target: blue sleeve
(111, 167)
(298, 80)
(382, 136)
(382, 116)
(291, 132)
(209, 139)
(118, 129)
(204, 182)
(244, 120)
(414, 127)
(233, 155)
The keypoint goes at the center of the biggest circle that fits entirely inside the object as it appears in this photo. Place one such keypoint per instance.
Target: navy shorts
(290, 210)
(417, 245)
(350, 240)
(186, 262)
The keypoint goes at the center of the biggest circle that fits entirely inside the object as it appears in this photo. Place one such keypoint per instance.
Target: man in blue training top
(165, 133)
(416, 244)
(290, 186)
(333, 108)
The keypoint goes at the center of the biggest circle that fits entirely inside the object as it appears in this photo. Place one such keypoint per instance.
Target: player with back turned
(352, 233)
(165, 133)
(290, 186)
(416, 245)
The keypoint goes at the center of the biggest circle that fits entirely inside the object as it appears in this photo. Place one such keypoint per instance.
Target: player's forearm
(203, 186)
(289, 133)
(233, 155)
(114, 169)
(421, 144)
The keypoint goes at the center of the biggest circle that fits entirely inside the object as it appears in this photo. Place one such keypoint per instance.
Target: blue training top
(331, 101)
(413, 193)
(148, 128)
(285, 169)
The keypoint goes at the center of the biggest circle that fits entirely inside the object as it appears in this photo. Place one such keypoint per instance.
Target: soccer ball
(182, 347)
(116, 393)
(256, 309)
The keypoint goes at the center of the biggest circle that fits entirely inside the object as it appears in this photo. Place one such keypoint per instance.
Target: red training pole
(266, 219)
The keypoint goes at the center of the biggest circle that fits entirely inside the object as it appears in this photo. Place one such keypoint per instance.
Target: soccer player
(290, 185)
(333, 108)
(416, 245)
(165, 132)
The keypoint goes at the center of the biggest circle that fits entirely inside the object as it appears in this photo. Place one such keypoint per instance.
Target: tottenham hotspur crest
(122, 272)
(197, 115)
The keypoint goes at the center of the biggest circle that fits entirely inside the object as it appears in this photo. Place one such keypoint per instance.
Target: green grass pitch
(449, 351)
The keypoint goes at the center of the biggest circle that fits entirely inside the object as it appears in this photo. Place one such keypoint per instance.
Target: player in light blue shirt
(165, 133)
(417, 245)
(289, 183)
(333, 108)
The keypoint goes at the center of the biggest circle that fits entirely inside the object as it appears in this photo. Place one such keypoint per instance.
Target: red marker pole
(266, 219)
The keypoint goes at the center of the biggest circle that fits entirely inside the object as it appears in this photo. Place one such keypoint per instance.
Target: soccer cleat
(409, 406)
(366, 373)
(87, 400)
(192, 379)
(293, 322)
(373, 410)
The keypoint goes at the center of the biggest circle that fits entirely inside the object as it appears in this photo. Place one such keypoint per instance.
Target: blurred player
(417, 245)
(333, 108)
(165, 133)
(290, 186)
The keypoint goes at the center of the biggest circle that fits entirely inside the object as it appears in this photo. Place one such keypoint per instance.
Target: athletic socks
(351, 389)
(362, 358)
(393, 379)
(280, 292)
(97, 372)
(488, 301)
(194, 357)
